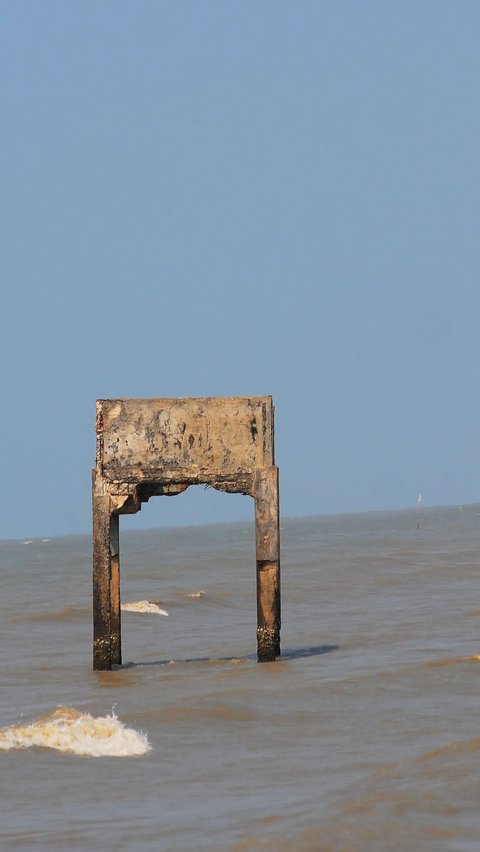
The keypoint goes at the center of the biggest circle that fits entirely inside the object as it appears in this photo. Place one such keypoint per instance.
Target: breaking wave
(144, 606)
(69, 731)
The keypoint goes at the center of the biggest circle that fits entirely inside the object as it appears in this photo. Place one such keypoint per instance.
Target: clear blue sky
(236, 198)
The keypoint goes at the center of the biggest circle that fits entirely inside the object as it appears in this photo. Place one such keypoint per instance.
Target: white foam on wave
(149, 607)
(195, 594)
(68, 730)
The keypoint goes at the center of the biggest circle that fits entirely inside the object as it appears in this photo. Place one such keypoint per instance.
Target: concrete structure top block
(185, 439)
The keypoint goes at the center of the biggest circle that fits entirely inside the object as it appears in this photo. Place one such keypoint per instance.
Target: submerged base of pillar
(102, 659)
(268, 644)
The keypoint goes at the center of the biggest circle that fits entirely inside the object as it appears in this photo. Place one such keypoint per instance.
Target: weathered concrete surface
(148, 447)
(106, 607)
(267, 530)
(184, 440)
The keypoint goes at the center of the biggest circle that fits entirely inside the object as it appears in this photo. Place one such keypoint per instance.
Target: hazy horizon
(126, 528)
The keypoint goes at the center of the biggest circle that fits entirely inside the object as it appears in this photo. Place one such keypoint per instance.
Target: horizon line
(415, 509)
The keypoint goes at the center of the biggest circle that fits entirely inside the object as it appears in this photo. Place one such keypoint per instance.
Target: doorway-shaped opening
(198, 574)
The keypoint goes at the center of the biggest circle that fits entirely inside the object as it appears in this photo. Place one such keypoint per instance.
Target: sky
(241, 198)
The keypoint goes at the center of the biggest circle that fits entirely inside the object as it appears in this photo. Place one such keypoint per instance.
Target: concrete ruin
(150, 447)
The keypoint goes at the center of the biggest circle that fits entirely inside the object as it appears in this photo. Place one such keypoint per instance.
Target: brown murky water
(364, 736)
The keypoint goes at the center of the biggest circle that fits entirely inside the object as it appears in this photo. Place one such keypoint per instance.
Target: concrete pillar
(115, 619)
(106, 584)
(267, 535)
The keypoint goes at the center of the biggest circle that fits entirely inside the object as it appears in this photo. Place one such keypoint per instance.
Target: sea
(364, 735)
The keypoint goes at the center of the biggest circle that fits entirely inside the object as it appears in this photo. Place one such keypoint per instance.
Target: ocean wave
(150, 607)
(452, 661)
(68, 613)
(199, 594)
(68, 730)
(461, 747)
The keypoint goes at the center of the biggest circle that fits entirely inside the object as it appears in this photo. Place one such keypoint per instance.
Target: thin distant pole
(419, 509)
